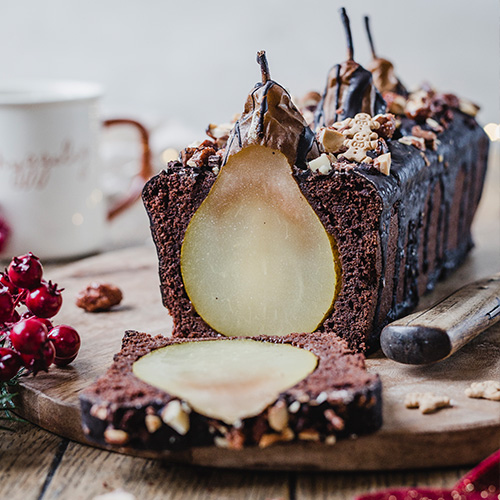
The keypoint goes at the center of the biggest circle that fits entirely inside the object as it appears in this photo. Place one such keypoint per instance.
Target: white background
(189, 63)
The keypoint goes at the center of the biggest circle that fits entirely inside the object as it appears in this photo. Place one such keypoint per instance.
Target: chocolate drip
(271, 119)
(349, 89)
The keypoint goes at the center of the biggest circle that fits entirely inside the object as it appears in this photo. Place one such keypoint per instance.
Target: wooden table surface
(38, 465)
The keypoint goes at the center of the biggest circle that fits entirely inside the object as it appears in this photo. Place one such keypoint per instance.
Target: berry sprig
(29, 342)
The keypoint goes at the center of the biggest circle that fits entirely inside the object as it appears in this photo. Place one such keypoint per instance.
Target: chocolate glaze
(349, 90)
(271, 119)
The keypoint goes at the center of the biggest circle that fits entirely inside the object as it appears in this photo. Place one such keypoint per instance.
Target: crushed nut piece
(269, 439)
(430, 138)
(418, 105)
(331, 140)
(395, 103)
(330, 440)
(489, 389)
(337, 423)
(219, 133)
(383, 163)
(387, 125)
(100, 412)
(427, 402)
(321, 164)
(221, 442)
(278, 416)
(153, 423)
(468, 107)
(309, 435)
(174, 416)
(99, 297)
(410, 140)
(116, 436)
(434, 125)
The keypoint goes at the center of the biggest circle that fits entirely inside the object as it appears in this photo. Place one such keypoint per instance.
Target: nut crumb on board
(427, 402)
(489, 389)
(99, 297)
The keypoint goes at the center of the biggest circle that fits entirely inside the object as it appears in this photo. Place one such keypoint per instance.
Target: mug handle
(144, 174)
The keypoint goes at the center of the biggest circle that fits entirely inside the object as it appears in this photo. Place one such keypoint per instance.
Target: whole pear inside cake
(256, 259)
(227, 380)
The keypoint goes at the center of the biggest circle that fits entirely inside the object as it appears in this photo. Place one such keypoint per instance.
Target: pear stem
(370, 39)
(347, 27)
(264, 67)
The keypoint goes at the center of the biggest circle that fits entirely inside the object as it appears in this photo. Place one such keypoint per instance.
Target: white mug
(51, 202)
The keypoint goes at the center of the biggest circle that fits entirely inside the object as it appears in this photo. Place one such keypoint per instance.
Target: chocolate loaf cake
(395, 235)
(337, 399)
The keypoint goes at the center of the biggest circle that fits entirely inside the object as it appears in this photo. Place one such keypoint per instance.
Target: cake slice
(336, 399)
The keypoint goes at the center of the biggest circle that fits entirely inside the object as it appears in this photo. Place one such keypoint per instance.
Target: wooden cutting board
(463, 434)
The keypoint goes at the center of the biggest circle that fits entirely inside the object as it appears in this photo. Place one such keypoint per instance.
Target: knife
(437, 332)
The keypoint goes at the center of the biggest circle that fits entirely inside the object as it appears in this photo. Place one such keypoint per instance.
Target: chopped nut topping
(489, 389)
(116, 436)
(387, 125)
(153, 423)
(383, 163)
(309, 435)
(278, 416)
(330, 440)
(427, 402)
(331, 140)
(468, 107)
(430, 138)
(221, 442)
(174, 416)
(418, 105)
(294, 407)
(410, 140)
(337, 423)
(219, 133)
(99, 297)
(269, 439)
(100, 412)
(434, 125)
(321, 164)
(395, 103)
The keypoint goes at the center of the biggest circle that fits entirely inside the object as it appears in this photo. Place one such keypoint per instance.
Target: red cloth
(481, 483)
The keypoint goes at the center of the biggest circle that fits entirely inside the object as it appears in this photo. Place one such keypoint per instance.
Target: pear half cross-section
(226, 379)
(256, 259)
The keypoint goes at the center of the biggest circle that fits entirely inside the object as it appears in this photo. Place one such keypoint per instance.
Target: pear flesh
(256, 259)
(226, 379)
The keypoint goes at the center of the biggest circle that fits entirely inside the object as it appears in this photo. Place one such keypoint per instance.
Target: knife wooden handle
(439, 331)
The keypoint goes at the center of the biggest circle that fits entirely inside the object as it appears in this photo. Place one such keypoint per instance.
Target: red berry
(6, 305)
(28, 336)
(42, 360)
(25, 271)
(44, 301)
(10, 363)
(67, 343)
(5, 281)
